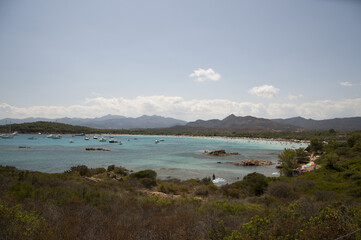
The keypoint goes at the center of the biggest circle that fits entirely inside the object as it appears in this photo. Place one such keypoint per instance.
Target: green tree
(255, 183)
(288, 162)
(316, 145)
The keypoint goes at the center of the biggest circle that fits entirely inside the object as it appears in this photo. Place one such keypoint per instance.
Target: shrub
(81, 169)
(111, 168)
(255, 183)
(280, 190)
(144, 174)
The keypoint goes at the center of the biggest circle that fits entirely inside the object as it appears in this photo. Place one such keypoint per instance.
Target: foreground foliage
(112, 203)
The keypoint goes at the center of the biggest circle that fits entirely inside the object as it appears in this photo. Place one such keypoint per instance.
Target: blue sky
(181, 59)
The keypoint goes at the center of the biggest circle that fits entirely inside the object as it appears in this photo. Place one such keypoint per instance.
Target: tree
(288, 162)
(316, 145)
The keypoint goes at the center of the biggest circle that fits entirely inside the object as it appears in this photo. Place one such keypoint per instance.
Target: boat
(112, 140)
(50, 136)
(71, 141)
(102, 139)
(95, 137)
(9, 135)
(31, 138)
(161, 140)
(57, 136)
(120, 143)
(86, 138)
(156, 141)
(219, 180)
(80, 135)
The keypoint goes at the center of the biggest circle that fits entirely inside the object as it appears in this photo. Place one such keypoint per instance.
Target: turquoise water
(176, 157)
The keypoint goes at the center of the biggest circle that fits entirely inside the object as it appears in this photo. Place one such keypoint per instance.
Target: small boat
(95, 137)
(219, 180)
(161, 140)
(50, 136)
(156, 141)
(112, 140)
(31, 138)
(71, 141)
(102, 139)
(7, 136)
(80, 135)
(120, 143)
(57, 136)
(86, 138)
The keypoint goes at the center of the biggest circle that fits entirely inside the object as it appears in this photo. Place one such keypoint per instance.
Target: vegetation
(112, 203)
(53, 127)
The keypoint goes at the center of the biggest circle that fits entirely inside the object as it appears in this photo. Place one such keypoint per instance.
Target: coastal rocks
(252, 162)
(97, 149)
(220, 153)
(93, 179)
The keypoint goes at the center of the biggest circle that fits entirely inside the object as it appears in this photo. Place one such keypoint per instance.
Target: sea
(172, 157)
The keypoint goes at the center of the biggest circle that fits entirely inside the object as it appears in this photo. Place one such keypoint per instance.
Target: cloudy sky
(190, 59)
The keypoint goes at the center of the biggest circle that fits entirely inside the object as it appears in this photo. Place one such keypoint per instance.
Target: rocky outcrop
(97, 149)
(252, 162)
(220, 153)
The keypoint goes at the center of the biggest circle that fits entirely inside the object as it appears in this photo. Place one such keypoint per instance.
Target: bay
(175, 157)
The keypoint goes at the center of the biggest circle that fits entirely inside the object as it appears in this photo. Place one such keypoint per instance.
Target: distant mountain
(108, 122)
(243, 123)
(338, 124)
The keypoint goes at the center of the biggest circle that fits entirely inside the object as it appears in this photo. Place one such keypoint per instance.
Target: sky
(189, 59)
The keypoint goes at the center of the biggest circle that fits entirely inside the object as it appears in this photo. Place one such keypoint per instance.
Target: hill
(107, 122)
(338, 124)
(243, 123)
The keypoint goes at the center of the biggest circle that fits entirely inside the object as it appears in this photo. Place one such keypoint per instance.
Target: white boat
(86, 138)
(50, 136)
(156, 141)
(219, 180)
(95, 137)
(9, 135)
(102, 139)
(57, 136)
(71, 141)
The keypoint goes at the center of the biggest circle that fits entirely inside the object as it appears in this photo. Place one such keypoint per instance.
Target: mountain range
(108, 122)
(231, 122)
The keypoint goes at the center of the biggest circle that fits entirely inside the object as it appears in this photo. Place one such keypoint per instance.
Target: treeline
(114, 203)
(53, 127)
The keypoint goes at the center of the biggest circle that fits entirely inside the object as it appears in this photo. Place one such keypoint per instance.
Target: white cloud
(202, 75)
(294, 97)
(348, 84)
(345, 84)
(265, 91)
(189, 110)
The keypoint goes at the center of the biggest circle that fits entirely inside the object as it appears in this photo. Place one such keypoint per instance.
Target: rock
(219, 153)
(97, 149)
(93, 179)
(252, 162)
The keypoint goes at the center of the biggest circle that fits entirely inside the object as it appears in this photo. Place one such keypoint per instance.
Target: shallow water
(175, 157)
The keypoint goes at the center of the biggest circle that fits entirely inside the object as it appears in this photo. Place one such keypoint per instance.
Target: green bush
(255, 183)
(144, 174)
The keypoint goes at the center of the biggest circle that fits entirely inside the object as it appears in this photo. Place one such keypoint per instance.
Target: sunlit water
(175, 157)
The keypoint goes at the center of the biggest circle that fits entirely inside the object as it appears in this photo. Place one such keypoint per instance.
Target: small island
(252, 162)
(220, 153)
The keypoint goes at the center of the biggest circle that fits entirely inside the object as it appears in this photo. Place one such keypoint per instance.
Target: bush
(280, 190)
(81, 169)
(255, 183)
(111, 168)
(144, 174)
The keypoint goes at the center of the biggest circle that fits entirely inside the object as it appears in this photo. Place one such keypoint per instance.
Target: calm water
(177, 157)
